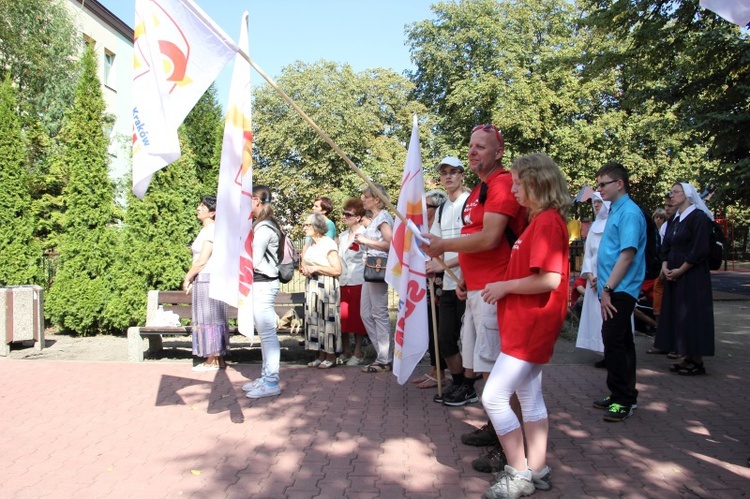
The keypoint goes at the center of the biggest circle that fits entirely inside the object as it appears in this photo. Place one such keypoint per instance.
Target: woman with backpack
(265, 288)
(686, 324)
(322, 267)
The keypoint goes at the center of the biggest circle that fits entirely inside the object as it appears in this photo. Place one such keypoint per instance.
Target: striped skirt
(210, 326)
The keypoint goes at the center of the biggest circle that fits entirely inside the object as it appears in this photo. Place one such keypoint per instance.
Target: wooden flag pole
(338, 150)
(433, 315)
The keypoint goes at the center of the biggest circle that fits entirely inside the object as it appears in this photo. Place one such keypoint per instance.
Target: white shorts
(480, 336)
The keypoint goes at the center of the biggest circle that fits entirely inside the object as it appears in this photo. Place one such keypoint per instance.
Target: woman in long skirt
(210, 326)
(321, 266)
(686, 324)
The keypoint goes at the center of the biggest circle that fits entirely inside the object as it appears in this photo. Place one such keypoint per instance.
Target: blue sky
(363, 33)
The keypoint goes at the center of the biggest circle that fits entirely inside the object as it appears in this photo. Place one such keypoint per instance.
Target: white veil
(597, 226)
(692, 195)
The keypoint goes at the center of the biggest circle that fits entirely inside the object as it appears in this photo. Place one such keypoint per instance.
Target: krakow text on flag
(232, 274)
(406, 267)
(178, 53)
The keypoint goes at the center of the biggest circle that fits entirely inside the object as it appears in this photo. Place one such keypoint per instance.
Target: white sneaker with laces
(511, 484)
(253, 384)
(264, 390)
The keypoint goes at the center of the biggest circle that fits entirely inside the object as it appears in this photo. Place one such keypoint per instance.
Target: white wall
(95, 23)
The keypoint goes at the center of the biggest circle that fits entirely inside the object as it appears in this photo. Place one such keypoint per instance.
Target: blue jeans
(264, 315)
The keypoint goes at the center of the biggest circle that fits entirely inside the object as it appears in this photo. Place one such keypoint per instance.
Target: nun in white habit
(590, 327)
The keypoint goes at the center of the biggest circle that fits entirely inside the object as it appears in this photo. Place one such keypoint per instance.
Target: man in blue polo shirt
(621, 268)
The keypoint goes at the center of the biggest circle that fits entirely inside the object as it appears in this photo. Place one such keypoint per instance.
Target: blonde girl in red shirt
(532, 303)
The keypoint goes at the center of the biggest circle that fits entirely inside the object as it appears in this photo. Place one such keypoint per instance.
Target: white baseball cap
(450, 161)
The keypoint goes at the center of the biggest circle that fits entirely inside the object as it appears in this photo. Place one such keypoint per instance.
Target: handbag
(375, 268)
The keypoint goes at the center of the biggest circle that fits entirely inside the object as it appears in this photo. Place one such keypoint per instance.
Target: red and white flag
(232, 272)
(406, 266)
(178, 53)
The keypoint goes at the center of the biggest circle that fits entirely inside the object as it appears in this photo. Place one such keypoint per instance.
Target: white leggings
(510, 375)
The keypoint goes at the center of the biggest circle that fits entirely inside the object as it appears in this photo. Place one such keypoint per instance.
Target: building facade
(113, 43)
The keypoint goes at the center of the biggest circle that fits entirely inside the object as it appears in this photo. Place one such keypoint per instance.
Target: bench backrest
(182, 304)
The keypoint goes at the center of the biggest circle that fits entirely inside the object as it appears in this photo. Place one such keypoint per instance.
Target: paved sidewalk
(156, 429)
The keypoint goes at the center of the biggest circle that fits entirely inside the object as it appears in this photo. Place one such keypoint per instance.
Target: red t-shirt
(530, 324)
(481, 268)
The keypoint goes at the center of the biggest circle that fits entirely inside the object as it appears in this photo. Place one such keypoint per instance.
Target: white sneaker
(264, 390)
(253, 384)
(355, 361)
(511, 484)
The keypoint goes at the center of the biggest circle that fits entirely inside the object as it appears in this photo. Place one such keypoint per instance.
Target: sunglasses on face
(602, 185)
(433, 206)
(348, 214)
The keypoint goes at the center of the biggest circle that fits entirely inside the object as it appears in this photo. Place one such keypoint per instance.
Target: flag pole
(338, 150)
(438, 366)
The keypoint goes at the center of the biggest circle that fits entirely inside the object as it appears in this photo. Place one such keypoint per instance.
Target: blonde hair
(543, 182)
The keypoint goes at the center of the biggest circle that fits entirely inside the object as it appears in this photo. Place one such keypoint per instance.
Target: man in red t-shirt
(490, 214)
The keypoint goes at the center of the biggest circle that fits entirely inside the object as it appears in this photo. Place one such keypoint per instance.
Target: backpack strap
(510, 236)
(280, 251)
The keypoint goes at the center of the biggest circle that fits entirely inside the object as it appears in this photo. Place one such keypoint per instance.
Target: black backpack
(716, 246)
(652, 255)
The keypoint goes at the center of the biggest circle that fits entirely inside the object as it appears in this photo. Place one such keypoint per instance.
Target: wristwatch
(607, 288)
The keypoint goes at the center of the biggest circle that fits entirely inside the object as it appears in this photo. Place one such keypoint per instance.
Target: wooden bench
(181, 304)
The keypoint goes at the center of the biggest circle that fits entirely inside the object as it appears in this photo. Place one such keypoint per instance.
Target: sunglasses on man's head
(490, 129)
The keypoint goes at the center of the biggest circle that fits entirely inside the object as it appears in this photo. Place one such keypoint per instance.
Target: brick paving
(156, 429)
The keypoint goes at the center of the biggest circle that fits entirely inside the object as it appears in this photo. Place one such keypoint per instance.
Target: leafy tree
(38, 46)
(517, 64)
(368, 114)
(21, 262)
(79, 291)
(154, 248)
(688, 63)
(204, 127)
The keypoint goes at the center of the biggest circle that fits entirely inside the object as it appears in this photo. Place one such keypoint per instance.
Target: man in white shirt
(447, 224)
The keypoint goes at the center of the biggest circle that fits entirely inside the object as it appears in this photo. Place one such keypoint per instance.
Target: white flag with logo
(232, 259)
(735, 11)
(405, 270)
(178, 52)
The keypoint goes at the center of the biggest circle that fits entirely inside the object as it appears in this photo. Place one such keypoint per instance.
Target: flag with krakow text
(232, 258)
(405, 270)
(178, 51)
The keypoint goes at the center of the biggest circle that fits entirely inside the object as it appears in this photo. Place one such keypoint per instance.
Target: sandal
(656, 351)
(205, 367)
(430, 382)
(693, 370)
(421, 379)
(685, 364)
(326, 364)
(315, 363)
(673, 355)
(376, 368)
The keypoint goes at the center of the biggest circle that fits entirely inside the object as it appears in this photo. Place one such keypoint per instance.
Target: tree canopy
(367, 114)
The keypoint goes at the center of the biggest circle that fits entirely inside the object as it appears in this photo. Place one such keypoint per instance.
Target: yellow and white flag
(405, 270)
(178, 53)
(232, 272)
